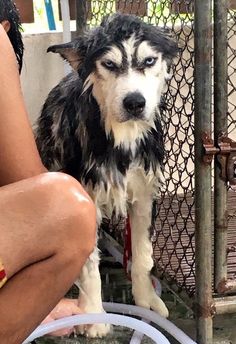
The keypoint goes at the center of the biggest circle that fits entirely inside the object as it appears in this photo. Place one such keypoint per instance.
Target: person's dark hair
(8, 11)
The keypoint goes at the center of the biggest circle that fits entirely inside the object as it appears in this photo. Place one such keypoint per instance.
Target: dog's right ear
(73, 52)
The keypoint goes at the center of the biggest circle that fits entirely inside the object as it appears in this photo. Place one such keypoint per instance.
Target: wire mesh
(174, 228)
(231, 44)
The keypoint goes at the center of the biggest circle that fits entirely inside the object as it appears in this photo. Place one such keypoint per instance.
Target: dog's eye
(150, 61)
(109, 64)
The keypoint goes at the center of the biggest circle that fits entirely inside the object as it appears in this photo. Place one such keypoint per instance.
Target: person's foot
(65, 308)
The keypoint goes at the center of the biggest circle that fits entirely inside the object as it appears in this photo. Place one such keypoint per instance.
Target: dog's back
(56, 127)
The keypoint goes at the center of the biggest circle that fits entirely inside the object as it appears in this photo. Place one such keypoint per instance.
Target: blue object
(50, 15)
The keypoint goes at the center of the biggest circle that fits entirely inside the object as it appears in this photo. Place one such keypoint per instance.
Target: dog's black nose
(134, 103)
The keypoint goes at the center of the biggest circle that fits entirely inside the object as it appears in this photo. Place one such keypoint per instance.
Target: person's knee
(72, 212)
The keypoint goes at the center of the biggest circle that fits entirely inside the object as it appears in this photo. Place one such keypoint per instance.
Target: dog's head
(125, 63)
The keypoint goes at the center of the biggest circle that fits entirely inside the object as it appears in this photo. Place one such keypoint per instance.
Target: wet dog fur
(101, 124)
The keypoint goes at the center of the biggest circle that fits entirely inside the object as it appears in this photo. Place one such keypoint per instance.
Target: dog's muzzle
(134, 104)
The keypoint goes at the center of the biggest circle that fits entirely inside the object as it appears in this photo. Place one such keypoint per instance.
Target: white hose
(137, 336)
(119, 320)
(114, 319)
(147, 314)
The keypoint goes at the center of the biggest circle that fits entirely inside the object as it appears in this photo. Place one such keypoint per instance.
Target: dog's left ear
(165, 42)
(73, 52)
(170, 46)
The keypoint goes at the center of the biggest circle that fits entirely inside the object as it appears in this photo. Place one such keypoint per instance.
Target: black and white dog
(101, 125)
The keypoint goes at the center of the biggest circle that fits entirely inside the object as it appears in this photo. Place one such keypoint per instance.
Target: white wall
(41, 71)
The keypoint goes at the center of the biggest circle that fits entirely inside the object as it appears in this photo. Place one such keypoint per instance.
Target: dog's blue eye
(109, 64)
(150, 61)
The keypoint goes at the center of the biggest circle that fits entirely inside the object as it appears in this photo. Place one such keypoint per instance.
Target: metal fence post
(81, 15)
(203, 97)
(220, 125)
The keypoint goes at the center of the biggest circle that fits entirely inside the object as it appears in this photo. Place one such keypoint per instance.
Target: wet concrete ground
(117, 288)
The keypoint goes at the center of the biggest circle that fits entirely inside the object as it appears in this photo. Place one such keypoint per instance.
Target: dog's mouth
(126, 118)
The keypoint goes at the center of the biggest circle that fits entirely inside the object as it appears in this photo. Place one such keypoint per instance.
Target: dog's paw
(154, 302)
(157, 305)
(94, 331)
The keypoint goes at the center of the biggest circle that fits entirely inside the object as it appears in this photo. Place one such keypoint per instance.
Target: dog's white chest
(136, 186)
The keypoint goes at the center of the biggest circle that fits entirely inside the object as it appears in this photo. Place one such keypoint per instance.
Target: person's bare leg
(47, 230)
(19, 158)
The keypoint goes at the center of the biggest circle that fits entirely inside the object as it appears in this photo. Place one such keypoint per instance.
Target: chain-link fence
(231, 80)
(174, 243)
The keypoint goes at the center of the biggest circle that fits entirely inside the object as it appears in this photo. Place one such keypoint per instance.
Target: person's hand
(65, 308)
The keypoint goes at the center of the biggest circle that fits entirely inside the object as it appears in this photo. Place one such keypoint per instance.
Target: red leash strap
(128, 252)
(3, 276)
(127, 247)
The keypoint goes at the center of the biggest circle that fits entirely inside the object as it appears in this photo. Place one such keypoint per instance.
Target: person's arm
(19, 158)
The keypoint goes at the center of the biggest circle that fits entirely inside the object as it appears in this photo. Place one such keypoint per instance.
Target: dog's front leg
(90, 300)
(142, 257)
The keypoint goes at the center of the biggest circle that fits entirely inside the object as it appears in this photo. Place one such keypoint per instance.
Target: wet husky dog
(101, 125)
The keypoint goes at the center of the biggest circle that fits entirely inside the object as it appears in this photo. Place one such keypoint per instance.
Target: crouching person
(47, 221)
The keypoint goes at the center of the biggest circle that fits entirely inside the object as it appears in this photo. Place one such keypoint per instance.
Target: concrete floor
(116, 288)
